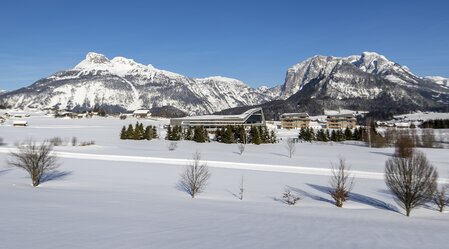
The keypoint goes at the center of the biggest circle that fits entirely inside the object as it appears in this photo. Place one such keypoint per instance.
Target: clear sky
(254, 41)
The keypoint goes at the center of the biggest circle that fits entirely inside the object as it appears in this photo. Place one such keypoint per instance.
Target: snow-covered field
(124, 194)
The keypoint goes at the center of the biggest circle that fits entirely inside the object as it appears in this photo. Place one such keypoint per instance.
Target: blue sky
(254, 41)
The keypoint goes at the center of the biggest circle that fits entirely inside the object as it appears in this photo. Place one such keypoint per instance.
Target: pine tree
(148, 133)
(302, 134)
(154, 132)
(169, 133)
(273, 138)
(333, 136)
(123, 134)
(242, 135)
(228, 136)
(199, 135)
(256, 136)
(348, 134)
(130, 132)
(218, 136)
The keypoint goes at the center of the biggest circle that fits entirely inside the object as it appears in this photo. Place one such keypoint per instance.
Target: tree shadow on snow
(278, 154)
(4, 171)
(309, 195)
(360, 199)
(55, 175)
(389, 154)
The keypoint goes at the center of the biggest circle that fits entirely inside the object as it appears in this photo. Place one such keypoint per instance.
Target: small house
(141, 113)
(20, 123)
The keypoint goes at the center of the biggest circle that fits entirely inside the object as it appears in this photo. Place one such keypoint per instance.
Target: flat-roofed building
(341, 121)
(251, 117)
(295, 120)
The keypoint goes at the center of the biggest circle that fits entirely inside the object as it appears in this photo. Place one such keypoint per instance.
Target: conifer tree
(154, 132)
(228, 136)
(148, 133)
(123, 134)
(348, 134)
(334, 136)
(273, 138)
(256, 135)
(198, 135)
(130, 132)
(242, 135)
(168, 136)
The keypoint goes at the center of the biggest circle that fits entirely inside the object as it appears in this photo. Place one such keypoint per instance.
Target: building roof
(350, 115)
(141, 112)
(295, 115)
(239, 117)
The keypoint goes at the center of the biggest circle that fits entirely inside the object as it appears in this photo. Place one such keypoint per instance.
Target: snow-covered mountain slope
(126, 84)
(368, 82)
(438, 80)
(322, 66)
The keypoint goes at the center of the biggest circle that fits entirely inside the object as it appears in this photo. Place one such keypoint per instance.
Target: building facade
(295, 120)
(341, 121)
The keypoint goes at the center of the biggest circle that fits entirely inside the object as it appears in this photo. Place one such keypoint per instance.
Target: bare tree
(441, 199)
(74, 141)
(404, 145)
(290, 146)
(241, 189)
(289, 198)
(241, 148)
(195, 176)
(413, 180)
(36, 159)
(341, 182)
(427, 138)
(172, 146)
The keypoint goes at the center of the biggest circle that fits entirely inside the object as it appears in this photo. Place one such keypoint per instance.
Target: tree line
(436, 124)
(138, 132)
(229, 134)
(326, 135)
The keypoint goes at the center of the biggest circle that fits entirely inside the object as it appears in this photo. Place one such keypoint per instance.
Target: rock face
(124, 84)
(368, 82)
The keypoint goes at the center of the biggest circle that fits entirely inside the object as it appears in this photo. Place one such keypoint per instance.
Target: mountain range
(123, 84)
(368, 82)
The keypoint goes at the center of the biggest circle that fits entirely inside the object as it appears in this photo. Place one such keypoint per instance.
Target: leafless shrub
(289, 198)
(341, 182)
(241, 189)
(290, 146)
(172, 146)
(56, 141)
(404, 146)
(427, 138)
(35, 159)
(87, 143)
(241, 148)
(195, 176)
(74, 141)
(441, 198)
(411, 179)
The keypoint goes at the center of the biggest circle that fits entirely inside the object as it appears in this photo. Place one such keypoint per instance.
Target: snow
(423, 116)
(439, 80)
(123, 194)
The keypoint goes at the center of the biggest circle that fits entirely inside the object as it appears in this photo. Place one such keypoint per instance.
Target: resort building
(251, 117)
(341, 121)
(295, 120)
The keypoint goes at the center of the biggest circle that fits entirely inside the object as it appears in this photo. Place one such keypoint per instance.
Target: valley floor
(125, 194)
